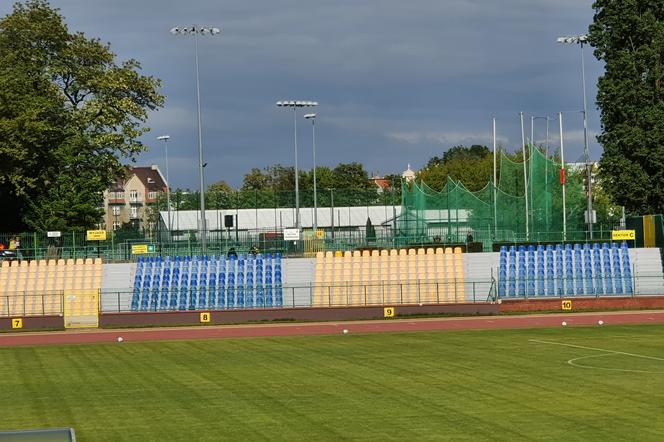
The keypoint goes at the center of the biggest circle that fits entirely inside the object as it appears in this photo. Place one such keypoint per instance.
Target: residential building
(130, 198)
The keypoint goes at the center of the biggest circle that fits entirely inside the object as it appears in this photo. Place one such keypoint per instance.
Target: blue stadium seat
(599, 274)
(578, 269)
(560, 275)
(550, 275)
(230, 276)
(512, 270)
(278, 289)
(540, 275)
(588, 270)
(502, 272)
(249, 286)
(627, 269)
(521, 268)
(531, 271)
(240, 282)
(259, 281)
(569, 269)
(615, 252)
(193, 290)
(175, 286)
(184, 289)
(608, 271)
(221, 286)
(268, 280)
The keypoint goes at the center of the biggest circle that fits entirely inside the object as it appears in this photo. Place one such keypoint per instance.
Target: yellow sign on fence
(623, 235)
(96, 235)
(566, 304)
(388, 312)
(139, 249)
(17, 322)
(205, 317)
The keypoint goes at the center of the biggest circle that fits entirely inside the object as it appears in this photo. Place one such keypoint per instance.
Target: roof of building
(150, 176)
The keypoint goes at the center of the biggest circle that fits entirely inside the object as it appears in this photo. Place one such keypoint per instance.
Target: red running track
(329, 328)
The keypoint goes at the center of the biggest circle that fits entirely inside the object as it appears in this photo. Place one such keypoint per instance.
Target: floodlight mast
(312, 117)
(195, 31)
(165, 139)
(582, 40)
(295, 104)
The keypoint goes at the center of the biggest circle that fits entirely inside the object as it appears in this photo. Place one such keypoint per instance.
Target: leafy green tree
(220, 186)
(69, 114)
(473, 166)
(628, 37)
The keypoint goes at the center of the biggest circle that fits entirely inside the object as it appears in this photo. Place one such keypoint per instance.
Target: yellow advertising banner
(623, 235)
(96, 235)
(139, 249)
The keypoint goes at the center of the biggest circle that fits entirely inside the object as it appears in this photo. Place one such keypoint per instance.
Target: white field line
(574, 363)
(597, 349)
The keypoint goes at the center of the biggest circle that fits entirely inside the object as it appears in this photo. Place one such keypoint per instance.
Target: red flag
(562, 175)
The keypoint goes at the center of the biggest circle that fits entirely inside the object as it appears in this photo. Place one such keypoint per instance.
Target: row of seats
(565, 270)
(389, 276)
(35, 287)
(208, 282)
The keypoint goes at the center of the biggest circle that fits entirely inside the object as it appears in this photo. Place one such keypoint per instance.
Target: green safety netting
(497, 213)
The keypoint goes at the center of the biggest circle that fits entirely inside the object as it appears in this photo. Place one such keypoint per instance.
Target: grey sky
(397, 82)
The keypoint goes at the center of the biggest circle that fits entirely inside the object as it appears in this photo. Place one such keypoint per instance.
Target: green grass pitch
(470, 385)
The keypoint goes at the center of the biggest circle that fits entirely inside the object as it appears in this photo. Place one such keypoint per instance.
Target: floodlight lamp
(164, 137)
(175, 31)
(309, 116)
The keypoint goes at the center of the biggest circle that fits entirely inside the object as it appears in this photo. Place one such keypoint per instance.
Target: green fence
(73, 245)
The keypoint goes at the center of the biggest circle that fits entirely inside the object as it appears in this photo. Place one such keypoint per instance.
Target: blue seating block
(521, 268)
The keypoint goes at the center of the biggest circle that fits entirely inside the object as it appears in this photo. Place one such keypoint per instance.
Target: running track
(328, 328)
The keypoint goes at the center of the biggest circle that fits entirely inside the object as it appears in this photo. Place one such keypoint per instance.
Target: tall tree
(471, 165)
(69, 115)
(628, 36)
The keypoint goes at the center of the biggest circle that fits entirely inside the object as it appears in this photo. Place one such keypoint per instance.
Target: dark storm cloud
(397, 81)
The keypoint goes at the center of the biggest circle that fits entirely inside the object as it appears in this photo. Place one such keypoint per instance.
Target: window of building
(116, 225)
(152, 195)
(134, 212)
(116, 210)
(111, 195)
(133, 195)
(119, 195)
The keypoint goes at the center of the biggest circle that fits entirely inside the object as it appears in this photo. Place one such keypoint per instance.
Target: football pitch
(585, 383)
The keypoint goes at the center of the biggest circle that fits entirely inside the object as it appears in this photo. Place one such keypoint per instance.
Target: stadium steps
(647, 264)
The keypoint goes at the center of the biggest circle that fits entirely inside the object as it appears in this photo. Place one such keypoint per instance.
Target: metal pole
(297, 181)
(313, 142)
(200, 149)
(525, 174)
(562, 174)
(585, 145)
(168, 189)
(495, 174)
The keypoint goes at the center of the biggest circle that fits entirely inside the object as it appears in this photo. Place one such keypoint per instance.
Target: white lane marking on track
(575, 364)
(597, 349)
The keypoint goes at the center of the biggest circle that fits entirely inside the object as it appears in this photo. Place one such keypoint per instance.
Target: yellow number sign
(96, 235)
(623, 235)
(17, 323)
(566, 304)
(388, 312)
(205, 317)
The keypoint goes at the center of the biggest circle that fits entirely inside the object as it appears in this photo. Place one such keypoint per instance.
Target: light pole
(546, 156)
(165, 139)
(525, 174)
(312, 117)
(581, 40)
(195, 31)
(295, 105)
